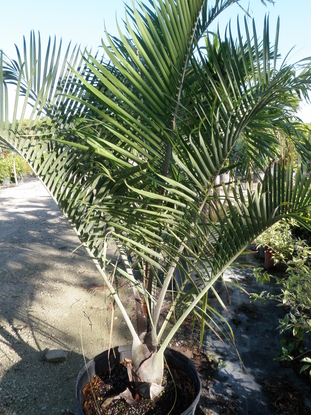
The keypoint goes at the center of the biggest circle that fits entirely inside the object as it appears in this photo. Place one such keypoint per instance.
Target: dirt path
(45, 304)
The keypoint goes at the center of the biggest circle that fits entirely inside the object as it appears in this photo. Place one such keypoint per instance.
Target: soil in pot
(178, 395)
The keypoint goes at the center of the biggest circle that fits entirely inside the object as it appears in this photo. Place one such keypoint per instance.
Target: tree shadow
(29, 383)
(44, 304)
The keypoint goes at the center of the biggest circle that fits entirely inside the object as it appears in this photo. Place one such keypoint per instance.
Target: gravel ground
(45, 303)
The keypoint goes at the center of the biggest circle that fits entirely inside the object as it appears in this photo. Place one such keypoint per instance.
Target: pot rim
(181, 361)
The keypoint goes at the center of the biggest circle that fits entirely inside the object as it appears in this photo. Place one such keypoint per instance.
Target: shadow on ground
(45, 304)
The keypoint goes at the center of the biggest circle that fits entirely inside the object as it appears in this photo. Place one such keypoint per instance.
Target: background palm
(130, 145)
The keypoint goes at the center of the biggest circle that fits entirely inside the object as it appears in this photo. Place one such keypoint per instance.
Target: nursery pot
(269, 261)
(262, 252)
(100, 363)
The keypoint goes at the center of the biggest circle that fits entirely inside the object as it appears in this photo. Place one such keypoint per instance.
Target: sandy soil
(45, 304)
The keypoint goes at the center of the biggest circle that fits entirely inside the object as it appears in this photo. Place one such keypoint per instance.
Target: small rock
(56, 355)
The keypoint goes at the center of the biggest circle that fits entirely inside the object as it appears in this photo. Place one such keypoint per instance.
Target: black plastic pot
(100, 363)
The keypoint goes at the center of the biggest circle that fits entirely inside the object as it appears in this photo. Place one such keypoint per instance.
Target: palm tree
(129, 145)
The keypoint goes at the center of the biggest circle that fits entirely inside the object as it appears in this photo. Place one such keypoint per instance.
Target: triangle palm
(130, 145)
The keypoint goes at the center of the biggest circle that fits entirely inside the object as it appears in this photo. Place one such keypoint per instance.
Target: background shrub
(7, 167)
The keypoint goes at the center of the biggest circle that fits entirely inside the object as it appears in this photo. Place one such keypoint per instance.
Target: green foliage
(4, 169)
(307, 365)
(295, 297)
(7, 167)
(279, 239)
(129, 145)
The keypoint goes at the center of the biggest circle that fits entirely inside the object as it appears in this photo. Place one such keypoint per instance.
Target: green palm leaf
(130, 148)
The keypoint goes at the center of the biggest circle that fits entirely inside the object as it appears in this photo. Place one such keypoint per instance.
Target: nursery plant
(4, 170)
(129, 145)
(279, 239)
(11, 164)
(294, 297)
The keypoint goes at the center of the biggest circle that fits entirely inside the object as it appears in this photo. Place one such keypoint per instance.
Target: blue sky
(82, 22)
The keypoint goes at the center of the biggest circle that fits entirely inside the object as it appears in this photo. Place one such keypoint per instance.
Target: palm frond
(130, 144)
